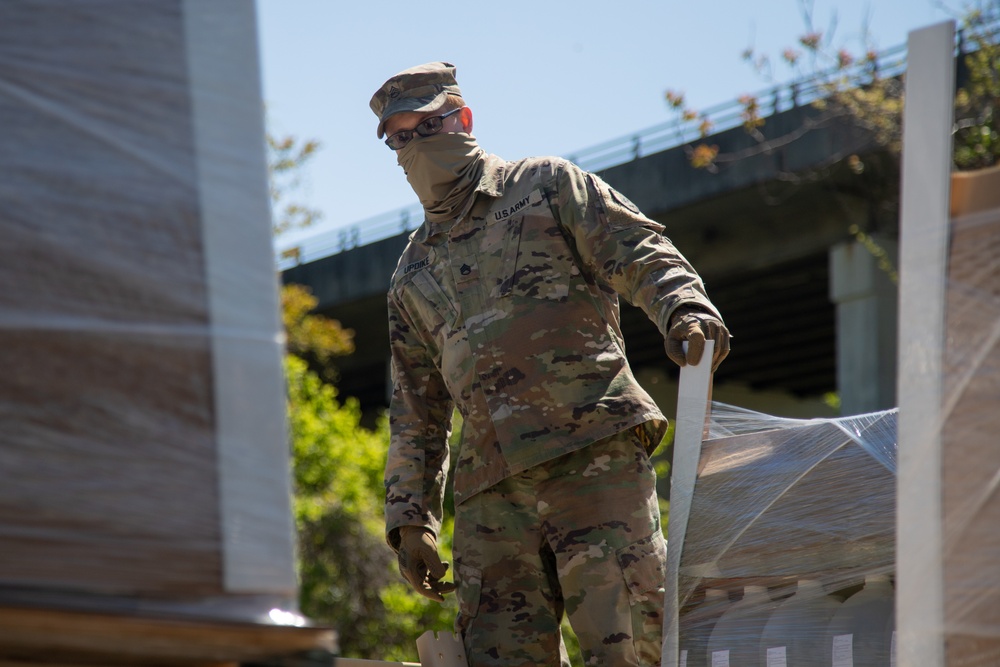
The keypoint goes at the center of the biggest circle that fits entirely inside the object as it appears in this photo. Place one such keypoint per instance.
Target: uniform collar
(491, 183)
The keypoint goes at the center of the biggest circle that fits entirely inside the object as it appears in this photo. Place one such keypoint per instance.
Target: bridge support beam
(865, 296)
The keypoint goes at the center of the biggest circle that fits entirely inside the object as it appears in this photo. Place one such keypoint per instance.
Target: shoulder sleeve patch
(620, 212)
(623, 201)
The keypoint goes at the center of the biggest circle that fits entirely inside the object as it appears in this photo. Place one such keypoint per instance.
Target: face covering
(444, 170)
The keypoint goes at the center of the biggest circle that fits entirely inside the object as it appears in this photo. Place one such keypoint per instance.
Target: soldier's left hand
(696, 327)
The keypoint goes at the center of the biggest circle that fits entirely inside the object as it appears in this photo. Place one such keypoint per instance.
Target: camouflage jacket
(510, 314)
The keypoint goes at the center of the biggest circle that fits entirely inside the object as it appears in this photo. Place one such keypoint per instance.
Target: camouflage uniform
(591, 518)
(510, 313)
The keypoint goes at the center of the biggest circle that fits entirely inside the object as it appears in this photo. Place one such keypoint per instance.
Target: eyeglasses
(426, 128)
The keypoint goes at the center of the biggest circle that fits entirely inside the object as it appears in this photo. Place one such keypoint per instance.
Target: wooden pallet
(57, 638)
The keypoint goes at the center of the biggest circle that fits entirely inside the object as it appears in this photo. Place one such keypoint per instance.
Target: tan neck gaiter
(444, 170)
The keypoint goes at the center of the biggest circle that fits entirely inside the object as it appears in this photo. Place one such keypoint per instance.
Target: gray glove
(695, 327)
(420, 564)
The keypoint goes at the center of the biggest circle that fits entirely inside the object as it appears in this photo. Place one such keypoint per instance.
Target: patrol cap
(422, 88)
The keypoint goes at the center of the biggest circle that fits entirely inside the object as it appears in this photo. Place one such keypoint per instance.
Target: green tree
(977, 103)
(348, 574)
(348, 577)
(317, 340)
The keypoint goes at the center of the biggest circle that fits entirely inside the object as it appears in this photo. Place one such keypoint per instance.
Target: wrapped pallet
(143, 450)
(782, 521)
(949, 386)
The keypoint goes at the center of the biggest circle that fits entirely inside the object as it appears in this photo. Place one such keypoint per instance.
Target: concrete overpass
(772, 234)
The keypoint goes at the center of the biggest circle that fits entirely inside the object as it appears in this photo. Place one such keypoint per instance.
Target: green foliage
(877, 251)
(311, 336)
(977, 104)
(348, 575)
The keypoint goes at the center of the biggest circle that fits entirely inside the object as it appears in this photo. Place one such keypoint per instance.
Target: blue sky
(543, 77)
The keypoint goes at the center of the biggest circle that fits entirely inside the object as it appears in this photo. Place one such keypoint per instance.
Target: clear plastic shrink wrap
(788, 518)
(143, 455)
(970, 443)
(948, 566)
(806, 509)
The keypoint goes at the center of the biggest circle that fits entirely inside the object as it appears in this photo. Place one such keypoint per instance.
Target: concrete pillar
(865, 296)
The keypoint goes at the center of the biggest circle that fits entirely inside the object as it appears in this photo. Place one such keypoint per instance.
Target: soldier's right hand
(420, 564)
(696, 327)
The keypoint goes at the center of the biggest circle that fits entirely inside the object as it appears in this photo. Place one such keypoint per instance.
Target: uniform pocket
(427, 301)
(470, 587)
(545, 265)
(644, 566)
(508, 258)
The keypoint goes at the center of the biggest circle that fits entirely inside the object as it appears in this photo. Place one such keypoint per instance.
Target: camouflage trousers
(578, 535)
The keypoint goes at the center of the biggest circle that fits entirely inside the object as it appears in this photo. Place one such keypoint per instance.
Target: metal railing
(333, 241)
(671, 134)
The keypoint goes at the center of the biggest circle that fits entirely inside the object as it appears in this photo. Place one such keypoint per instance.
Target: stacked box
(143, 450)
(970, 473)
(785, 514)
(949, 384)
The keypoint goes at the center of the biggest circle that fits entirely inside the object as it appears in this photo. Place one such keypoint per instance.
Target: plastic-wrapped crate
(788, 498)
(784, 513)
(969, 437)
(948, 598)
(143, 449)
(951, 474)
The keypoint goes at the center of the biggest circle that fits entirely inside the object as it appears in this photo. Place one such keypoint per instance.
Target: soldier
(504, 305)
